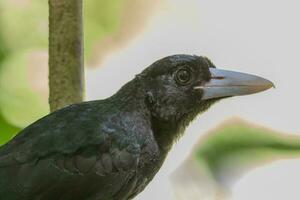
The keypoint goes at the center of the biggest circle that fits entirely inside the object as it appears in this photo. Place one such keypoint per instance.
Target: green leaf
(239, 144)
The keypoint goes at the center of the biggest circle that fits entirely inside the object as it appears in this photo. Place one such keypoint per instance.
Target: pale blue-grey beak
(226, 83)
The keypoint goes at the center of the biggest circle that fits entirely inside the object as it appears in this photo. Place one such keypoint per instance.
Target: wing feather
(67, 155)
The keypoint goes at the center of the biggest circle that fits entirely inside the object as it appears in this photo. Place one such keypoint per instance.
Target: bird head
(179, 87)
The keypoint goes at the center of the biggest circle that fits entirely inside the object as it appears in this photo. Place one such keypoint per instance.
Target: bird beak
(225, 83)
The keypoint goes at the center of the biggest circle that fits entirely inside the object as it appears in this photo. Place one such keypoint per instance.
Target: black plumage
(107, 149)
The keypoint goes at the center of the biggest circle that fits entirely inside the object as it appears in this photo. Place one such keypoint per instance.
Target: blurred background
(242, 148)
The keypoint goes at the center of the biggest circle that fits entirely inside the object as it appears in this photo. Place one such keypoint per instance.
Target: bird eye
(183, 76)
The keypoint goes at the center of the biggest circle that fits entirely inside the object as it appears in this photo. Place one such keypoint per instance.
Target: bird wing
(61, 156)
(85, 174)
(64, 131)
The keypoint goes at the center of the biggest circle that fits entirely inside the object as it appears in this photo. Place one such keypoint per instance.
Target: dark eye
(183, 76)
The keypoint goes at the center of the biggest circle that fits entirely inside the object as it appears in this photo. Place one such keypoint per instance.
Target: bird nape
(111, 149)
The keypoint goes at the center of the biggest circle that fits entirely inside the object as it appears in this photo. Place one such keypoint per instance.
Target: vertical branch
(66, 73)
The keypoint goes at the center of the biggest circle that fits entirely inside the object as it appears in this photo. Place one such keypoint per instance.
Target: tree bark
(66, 72)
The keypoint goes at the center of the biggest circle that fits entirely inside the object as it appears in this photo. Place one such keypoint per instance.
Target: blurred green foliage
(24, 25)
(19, 103)
(3, 48)
(7, 131)
(239, 144)
(23, 30)
(101, 18)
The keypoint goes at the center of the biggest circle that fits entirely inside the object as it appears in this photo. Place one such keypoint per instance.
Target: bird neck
(131, 98)
(168, 130)
(166, 133)
(134, 96)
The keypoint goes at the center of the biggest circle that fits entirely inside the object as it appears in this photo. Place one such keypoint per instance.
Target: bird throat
(169, 130)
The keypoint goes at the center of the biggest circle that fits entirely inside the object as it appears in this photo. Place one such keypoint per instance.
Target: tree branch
(66, 73)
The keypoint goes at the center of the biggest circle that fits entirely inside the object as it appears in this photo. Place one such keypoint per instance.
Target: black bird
(111, 149)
